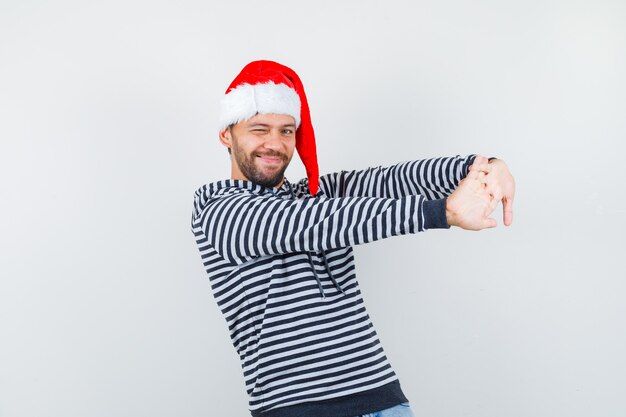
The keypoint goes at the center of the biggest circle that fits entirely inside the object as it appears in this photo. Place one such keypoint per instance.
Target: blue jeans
(401, 410)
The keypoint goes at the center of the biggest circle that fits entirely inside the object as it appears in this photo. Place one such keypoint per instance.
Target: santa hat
(269, 87)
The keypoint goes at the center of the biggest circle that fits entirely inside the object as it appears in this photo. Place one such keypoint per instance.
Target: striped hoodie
(282, 272)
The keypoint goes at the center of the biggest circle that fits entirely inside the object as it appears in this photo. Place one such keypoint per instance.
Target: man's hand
(471, 204)
(499, 183)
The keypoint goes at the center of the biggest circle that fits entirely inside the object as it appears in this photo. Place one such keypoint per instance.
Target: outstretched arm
(433, 178)
(241, 225)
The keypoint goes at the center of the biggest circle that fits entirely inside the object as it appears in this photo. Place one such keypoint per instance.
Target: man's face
(261, 148)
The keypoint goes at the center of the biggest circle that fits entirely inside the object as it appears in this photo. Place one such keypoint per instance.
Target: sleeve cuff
(435, 214)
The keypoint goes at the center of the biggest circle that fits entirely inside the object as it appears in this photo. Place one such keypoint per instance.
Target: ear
(226, 138)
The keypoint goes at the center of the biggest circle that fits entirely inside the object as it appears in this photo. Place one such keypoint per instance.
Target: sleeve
(241, 226)
(434, 179)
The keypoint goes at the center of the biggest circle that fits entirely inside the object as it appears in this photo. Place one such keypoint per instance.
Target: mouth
(270, 159)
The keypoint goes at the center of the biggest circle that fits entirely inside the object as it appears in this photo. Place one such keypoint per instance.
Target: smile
(270, 159)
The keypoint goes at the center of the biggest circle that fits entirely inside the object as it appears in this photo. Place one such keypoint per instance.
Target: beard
(268, 177)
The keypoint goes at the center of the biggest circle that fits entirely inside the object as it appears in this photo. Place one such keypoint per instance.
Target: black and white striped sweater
(282, 272)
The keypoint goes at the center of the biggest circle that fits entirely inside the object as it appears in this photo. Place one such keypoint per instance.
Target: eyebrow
(269, 126)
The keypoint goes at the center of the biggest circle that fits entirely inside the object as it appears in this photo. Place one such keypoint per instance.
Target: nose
(273, 140)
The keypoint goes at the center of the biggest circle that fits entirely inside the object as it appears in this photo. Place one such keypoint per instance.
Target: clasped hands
(478, 195)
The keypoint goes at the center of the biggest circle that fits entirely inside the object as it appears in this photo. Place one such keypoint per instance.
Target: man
(279, 254)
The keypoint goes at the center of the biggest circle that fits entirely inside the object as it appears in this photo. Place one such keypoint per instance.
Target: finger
(478, 160)
(479, 185)
(473, 175)
(507, 207)
(496, 193)
(486, 202)
(481, 167)
(493, 204)
(477, 176)
(481, 160)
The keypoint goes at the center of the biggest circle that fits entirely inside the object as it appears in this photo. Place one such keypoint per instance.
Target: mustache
(275, 154)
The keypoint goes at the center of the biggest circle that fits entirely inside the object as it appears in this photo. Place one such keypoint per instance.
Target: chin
(270, 180)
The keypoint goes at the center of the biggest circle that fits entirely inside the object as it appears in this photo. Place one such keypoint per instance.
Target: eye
(287, 131)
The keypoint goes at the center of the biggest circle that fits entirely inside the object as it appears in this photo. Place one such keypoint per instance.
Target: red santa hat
(269, 87)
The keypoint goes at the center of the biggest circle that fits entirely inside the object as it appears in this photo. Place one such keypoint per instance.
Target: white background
(108, 125)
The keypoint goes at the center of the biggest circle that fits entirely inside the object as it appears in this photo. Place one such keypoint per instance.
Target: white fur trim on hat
(246, 100)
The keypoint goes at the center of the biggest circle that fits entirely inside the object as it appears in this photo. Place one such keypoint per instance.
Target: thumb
(489, 223)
